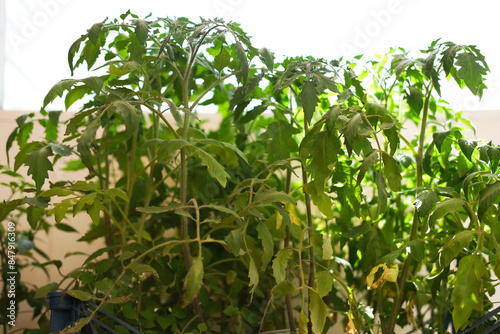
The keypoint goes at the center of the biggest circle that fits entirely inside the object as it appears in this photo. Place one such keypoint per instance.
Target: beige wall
(57, 244)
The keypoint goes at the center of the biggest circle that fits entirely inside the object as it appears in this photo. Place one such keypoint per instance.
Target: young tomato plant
(307, 200)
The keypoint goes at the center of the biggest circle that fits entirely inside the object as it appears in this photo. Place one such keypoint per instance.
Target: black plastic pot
(64, 310)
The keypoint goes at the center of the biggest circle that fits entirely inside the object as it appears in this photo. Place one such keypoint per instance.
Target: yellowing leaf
(350, 329)
(292, 211)
(390, 274)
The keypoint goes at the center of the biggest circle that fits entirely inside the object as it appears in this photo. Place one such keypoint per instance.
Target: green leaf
(61, 209)
(471, 72)
(283, 289)
(317, 311)
(392, 172)
(169, 148)
(141, 30)
(366, 165)
(215, 169)
(417, 249)
(77, 119)
(280, 263)
(81, 295)
(270, 196)
(356, 231)
(448, 59)
(94, 32)
(282, 142)
(467, 294)
(58, 90)
(85, 141)
(323, 150)
(222, 60)
(303, 321)
(467, 147)
(63, 150)
(7, 207)
(488, 196)
(142, 268)
(439, 138)
(43, 291)
(415, 99)
(242, 59)
(308, 99)
(267, 58)
(130, 116)
(425, 201)
(327, 248)
(320, 199)
(116, 192)
(193, 281)
(451, 250)
(160, 209)
(253, 275)
(445, 207)
(267, 244)
(39, 165)
(389, 258)
(324, 283)
(234, 241)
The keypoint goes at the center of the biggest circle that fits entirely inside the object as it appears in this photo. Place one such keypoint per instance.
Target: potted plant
(307, 201)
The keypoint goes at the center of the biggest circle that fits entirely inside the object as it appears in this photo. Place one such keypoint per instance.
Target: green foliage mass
(275, 218)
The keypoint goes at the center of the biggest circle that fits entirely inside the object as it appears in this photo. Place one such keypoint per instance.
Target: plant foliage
(307, 190)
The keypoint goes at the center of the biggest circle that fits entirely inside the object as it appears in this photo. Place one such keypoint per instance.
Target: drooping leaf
(267, 58)
(130, 116)
(253, 275)
(58, 90)
(392, 172)
(324, 283)
(267, 244)
(366, 165)
(415, 99)
(81, 295)
(215, 169)
(280, 263)
(467, 147)
(318, 311)
(193, 281)
(308, 99)
(468, 289)
(94, 32)
(448, 59)
(141, 30)
(242, 59)
(488, 196)
(439, 138)
(85, 141)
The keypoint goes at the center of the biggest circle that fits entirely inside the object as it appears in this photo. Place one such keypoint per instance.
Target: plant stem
(414, 228)
(312, 264)
(288, 299)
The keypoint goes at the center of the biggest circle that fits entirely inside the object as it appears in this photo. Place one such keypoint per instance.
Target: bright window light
(38, 34)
